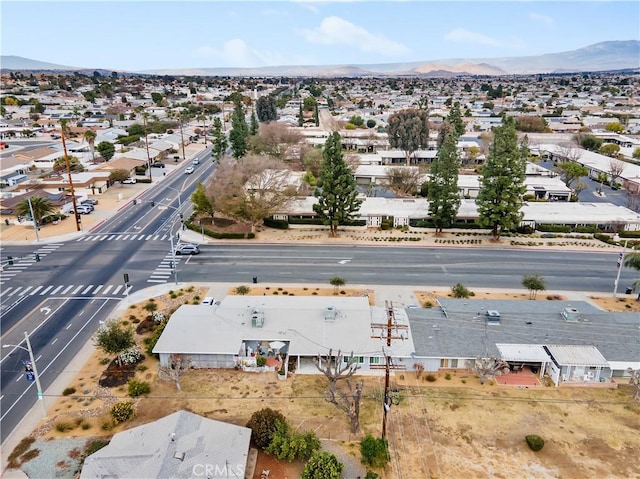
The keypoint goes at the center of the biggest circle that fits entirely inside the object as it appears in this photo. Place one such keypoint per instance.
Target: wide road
(61, 299)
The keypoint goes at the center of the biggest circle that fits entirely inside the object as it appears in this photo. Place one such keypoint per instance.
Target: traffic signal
(37, 255)
(134, 202)
(181, 216)
(126, 278)
(10, 260)
(620, 256)
(153, 203)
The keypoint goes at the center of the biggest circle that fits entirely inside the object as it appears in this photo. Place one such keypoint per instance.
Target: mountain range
(604, 56)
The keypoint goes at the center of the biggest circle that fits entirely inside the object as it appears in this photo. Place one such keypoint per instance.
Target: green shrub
(138, 388)
(459, 290)
(291, 447)
(447, 376)
(374, 451)
(261, 361)
(322, 465)
(242, 290)
(534, 442)
(123, 411)
(63, 426)
(431, 378)
(263, 424)
(68, 391)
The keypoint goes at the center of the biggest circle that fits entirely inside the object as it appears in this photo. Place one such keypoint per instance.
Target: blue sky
(136, 36)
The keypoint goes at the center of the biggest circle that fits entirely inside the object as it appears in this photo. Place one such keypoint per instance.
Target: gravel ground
(58, 458)
(352, 467)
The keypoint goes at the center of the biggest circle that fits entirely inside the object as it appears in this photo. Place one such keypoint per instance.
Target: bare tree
(403, 180)
(346, 398)
(487, 368)
(633, 201)
(635, 382)
(616, 167)
(569, 153)
(251, 189)
(177, 366)
(353, 161)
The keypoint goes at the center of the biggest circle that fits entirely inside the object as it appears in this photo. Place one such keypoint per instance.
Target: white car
(196, 161)
(189, 170)
(129, 181)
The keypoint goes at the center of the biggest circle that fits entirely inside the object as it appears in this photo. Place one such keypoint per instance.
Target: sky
(147, 35)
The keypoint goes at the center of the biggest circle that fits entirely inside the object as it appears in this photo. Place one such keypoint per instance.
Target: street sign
(30, 377)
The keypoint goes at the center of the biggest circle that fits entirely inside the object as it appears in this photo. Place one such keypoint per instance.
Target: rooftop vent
(492, 317)
(257, 318)
(570, 315)
(330, 313)
(179, 456)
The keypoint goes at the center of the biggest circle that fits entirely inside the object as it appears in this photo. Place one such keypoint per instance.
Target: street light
(35, 371)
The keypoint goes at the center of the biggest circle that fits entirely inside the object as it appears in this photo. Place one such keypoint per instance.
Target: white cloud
(233, 53)
(460, 35)
(338, 31)
(544, 19)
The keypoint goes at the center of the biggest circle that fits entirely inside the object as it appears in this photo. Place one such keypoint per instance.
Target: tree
(202, 204)
(322, 465)
(90, 137)
(534, 283)
(253, 129)
(402, 180)
(589, 142)
(106, 150)
(374, 451)
(264, 424)
(239, 131)
(610, 149)
(266, 109)
(337, 282)
(616, 168)
(442, 193)
(455, 120)
(273, 139)
(177, 366)
(636, 153)
(219, 140)
(113, 339)
(251, 190)
(571, 171)
(408, 131)
(615, 127)
(157, 98)
(337, 202)
(488, 368)
(40, 205)
(634, 380)
(74, 164)
(459, 290)
(119, 175)
(346, 398)
(287, 446)
(502, 181)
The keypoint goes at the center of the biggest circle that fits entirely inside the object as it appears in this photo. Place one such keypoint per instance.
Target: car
(157, 164)
(189, 170)
(196, 161)
(82, 209)
(89, 201)
(187, 249)
(210, 300)
(88, 206)
(129, 181)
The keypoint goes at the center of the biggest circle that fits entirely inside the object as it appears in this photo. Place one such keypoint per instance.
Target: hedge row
(216, 235)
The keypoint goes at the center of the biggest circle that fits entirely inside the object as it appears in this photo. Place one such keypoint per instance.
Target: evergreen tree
(219, 139)
(239, 131)
(266, 109)
(502, 181)
(337, 202)
(443, 195)
(202, 204)
(253, 130)
(316, 115)
(409, 130)
(301, 116)
(455, 119)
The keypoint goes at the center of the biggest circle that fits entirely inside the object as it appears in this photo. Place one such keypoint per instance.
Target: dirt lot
(447, 428)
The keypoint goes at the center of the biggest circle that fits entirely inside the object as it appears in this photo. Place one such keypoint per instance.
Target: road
(61, 299)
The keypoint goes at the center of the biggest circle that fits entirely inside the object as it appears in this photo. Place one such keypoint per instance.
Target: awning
(572, 355)
(523, 353)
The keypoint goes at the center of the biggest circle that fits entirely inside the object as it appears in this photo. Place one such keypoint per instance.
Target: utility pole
(619, 264)
(146, 142)
(389, 331)
(182, 137)
(36, 226)
(63, 127)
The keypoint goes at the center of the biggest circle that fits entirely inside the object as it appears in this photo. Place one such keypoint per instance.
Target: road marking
(155, 281)
(103, 237)
(54, 341)
(98, 288)
(38, 288)
(124, 237)
(344, 261)
(12, 292)
(117, 288)
(57, 289)
(44, 291)
(87, 289)
(38, 358)
(75, 291)
(66, 290)
(68, 326)
(26, 290)
(112, 236)
(19, 378)
(108, 288)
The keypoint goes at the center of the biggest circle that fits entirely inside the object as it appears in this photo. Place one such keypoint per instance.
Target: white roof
(300, 320)
(572, 355)
(523, 352)
(624, 365)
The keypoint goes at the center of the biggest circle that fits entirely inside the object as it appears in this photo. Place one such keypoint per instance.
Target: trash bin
(255, 280)
(628, 290)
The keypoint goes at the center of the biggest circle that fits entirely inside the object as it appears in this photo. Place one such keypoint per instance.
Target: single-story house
(180, 445)
(123, 163)
(296, 329)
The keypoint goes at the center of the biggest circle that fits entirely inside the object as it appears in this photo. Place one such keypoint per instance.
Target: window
(375, 360)
(357, 359)
(444, 363)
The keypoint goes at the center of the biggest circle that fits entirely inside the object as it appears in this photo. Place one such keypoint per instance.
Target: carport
(521, 356)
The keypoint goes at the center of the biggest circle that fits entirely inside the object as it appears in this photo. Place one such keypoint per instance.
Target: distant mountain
(604, 56)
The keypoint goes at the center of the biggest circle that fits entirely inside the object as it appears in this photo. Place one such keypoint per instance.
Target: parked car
(89, 206)
(210, 300)
(89, 201)
(129, 181)
(187, 249)
(189, 170)
(82, 209)
(157, 164)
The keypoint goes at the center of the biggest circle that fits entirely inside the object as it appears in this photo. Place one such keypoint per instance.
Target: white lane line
(117, 288)
(155, 281)
(44, 291)
(26, 290)
(87, 289)
(66, 290)
(37, 288)
(108, 288)
(68, 326)
(98, 288)
(57, 289)
(111, 237)
(38, 358)
(75, 291)
(54, 341)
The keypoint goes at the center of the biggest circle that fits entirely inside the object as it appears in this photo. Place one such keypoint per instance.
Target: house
(570, 342)
(181, 445)
(240, 328)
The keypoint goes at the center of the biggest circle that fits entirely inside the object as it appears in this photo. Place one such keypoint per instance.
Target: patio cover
(525, 353)
(568, 355)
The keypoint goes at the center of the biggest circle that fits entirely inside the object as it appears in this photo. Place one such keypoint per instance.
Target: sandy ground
(447, 428)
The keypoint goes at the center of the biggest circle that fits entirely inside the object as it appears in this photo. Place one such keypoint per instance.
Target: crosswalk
(123, 237)
(162, 274)
(66, 290)
(10, 271)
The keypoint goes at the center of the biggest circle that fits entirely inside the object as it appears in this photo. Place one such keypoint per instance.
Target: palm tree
(90, 137)
(40, 206)
(336, 282)
(632, 260)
